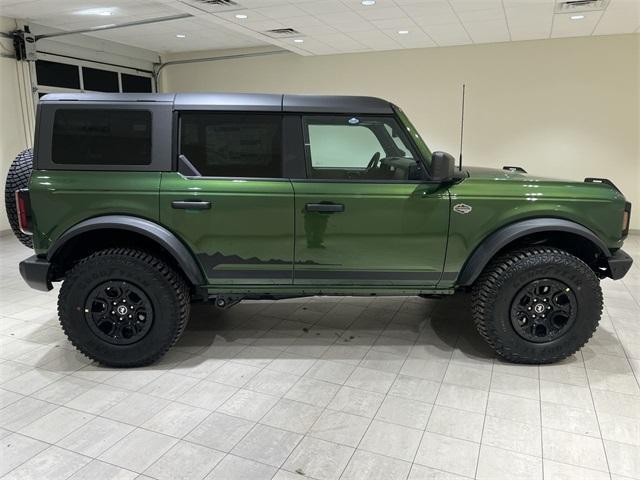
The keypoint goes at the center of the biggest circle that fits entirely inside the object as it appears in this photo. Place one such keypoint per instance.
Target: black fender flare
(163, 237)
(505, 235)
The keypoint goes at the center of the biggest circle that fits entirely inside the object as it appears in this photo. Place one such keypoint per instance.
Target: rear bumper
(619, 264)
(35, 271)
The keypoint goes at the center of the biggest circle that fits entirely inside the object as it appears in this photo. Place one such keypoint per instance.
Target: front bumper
(619, 264)
(36, 272)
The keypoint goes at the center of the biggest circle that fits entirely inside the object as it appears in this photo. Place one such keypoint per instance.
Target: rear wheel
(18, 178)
(123, 307)
(537, 305)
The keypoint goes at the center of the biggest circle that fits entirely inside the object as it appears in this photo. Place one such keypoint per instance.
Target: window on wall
(101, 137)
(136, 83)
(54, 74)
(359, 148)
(69, 75)
(233, 144)
(100, 80)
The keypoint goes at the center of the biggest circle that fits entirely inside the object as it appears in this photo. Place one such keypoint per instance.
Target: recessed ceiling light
(403, 32)
(241, 16)
(577, 17)
(181, 35)
(299, 40)
(368, 3)
(96, 11)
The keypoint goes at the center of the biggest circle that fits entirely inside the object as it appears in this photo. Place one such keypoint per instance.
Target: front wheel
(537, 305)
(123, 307)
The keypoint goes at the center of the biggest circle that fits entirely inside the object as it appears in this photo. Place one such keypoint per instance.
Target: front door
(235, 211)
(364, 215)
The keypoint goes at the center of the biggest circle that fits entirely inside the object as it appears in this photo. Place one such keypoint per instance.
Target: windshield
(413, 132)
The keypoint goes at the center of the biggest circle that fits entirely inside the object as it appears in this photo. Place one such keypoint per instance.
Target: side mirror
(442, 166)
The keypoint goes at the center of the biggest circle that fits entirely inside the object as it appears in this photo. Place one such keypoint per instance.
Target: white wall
(563, 108)
(15, 133)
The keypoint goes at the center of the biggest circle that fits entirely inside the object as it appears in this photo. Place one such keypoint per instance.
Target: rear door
(234, 210)
(365, 214)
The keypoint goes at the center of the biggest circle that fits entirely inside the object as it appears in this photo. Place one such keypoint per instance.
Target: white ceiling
(325, 26)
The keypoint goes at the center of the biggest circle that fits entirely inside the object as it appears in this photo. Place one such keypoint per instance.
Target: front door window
(358, 148)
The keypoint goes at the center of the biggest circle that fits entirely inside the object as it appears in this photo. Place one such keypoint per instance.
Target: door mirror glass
(442, 166)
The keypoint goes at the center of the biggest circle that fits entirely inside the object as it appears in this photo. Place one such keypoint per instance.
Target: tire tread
(486, 288)
(176, 281)
(18, 178)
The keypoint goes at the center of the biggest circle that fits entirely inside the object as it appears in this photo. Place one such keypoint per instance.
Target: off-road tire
(18, 178)
(502, 279)
(166, 290)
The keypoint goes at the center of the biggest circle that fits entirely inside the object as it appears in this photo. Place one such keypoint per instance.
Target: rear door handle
(324, 207)
(191, 205)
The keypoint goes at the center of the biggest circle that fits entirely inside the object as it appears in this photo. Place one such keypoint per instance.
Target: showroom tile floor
(350, 388)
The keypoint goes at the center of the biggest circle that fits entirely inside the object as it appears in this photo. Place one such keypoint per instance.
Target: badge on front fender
(462, 208)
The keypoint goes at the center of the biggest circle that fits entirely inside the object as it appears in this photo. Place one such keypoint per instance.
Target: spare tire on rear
(18, 178)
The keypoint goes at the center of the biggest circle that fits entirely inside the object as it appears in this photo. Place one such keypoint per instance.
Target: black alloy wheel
(544, 310)
(119, 312)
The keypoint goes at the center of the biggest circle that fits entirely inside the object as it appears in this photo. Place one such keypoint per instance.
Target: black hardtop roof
(264, 102)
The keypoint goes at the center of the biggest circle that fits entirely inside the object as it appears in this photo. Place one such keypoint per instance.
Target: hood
(500, 174)
(557, 187)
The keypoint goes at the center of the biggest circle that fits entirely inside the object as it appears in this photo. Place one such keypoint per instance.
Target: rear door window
(101, 137)
(233, 144)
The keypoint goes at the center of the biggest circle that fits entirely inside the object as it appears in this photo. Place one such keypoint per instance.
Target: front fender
(506, 235)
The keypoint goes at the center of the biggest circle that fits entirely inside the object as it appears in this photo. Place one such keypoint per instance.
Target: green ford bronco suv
(144, 203)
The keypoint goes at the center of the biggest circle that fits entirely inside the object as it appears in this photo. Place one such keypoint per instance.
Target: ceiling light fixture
(96, 11)
(241, 16)
(299, 40)
(368, 3)
(181, 35)
(403, 32)
(577, 17)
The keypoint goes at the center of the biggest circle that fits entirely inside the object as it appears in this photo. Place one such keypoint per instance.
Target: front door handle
(191, 205)
(324, 207)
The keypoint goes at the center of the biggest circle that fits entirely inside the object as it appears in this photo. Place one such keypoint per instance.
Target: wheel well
(568, 236)
(86, 243)
(575, 244)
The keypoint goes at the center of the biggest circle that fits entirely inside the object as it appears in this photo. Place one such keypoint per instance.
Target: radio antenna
(461, 128)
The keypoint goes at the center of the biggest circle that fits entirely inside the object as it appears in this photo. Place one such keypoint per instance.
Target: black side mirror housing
(442, 166)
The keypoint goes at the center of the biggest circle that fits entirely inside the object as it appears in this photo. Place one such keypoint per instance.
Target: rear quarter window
(101, 137)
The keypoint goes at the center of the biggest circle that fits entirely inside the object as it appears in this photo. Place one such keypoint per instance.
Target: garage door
(60, 74)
